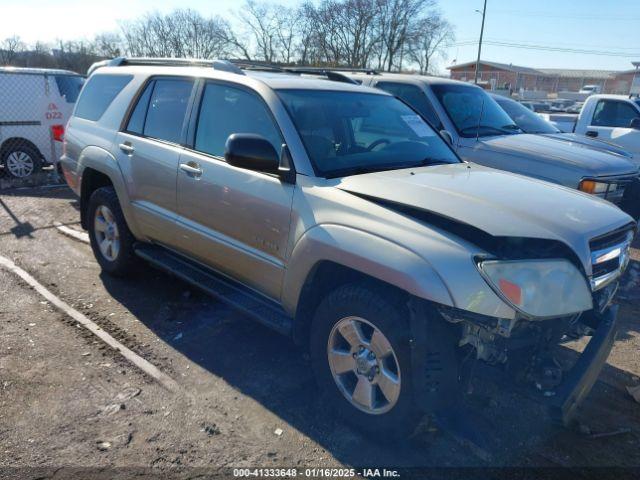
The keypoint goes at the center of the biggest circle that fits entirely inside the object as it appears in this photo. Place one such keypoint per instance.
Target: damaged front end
(554, 301)
(525, 354)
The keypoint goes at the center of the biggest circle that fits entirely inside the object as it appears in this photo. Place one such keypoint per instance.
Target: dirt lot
(247, 397)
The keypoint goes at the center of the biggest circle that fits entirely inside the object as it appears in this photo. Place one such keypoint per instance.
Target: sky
(560, 31)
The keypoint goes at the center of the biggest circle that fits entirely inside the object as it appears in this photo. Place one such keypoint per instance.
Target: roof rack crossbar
(321, 70)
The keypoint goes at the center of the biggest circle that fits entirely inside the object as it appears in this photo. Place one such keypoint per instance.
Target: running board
(224, 289)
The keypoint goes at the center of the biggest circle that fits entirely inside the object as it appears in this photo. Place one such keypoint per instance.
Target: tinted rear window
(98, 94)
(69, 87)
(167, 109)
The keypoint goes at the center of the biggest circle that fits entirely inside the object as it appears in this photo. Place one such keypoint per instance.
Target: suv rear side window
(413, 96)
(612, 113)
(167, 109)
(98, 94)
(226, 110)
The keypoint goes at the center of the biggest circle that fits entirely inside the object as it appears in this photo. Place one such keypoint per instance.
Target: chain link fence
(35, 105)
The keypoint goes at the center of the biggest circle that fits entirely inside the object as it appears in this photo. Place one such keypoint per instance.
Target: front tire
(110, 237)
(360, 352)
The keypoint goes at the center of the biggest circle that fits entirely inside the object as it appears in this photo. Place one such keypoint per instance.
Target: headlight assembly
(591, 186)
(539, 288)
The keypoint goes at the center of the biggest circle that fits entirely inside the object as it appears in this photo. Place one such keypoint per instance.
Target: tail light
(57, 132)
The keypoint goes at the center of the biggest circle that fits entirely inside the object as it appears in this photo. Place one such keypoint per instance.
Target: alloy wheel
(20, 164)
(106, 233)
(364, 365)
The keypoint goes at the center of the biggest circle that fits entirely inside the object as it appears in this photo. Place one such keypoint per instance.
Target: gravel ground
(247, 396)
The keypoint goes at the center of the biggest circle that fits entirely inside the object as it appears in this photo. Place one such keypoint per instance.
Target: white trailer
(35, 105)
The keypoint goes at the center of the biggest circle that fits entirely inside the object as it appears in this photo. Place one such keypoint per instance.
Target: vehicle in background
(537, 107)
(565, 122)
(561, 105)
(612, 118)
(482, 132)
(591, 89)
(575, 108)
(530, 122)
(335, 214)
(35, 105)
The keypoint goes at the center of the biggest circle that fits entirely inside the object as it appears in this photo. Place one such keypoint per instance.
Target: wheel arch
(332, 255)
(13, 141)
(98, 168)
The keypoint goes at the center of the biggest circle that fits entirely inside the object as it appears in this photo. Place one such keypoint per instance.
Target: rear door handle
(126, 148)
(591, 133)
(192, 169)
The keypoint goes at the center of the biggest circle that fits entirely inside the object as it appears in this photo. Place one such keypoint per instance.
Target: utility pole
(484, 12)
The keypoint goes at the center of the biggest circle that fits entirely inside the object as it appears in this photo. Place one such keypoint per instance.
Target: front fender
(102, 161)
(363, 252)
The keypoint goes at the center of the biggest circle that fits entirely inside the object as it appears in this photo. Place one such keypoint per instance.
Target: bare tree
(288, 23)
(387, 34)
(181, 33)
(108, 45)
(260, 23)
(10, 49)
(432, 34)
(397, 20)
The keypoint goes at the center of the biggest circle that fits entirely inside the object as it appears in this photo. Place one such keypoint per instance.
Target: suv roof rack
(319, 70)
(222, 65)
(330, 73)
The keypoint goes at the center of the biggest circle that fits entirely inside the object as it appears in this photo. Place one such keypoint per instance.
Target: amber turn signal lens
(588, 186)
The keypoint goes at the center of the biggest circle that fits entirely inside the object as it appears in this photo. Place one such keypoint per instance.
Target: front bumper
(580, 379)
(438, 370)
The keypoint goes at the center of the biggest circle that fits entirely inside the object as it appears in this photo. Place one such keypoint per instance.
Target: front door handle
(591, 133)
(127, 148)
(191, 168)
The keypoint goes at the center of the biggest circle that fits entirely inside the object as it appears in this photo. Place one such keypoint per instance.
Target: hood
(592, 162)
(499, 203)
(581, 140)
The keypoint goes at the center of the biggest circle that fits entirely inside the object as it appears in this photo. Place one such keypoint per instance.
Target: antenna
(480, 118)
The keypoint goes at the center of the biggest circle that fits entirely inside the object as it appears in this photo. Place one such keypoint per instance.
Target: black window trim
(134, 102)
(195, 115)
(614, 100)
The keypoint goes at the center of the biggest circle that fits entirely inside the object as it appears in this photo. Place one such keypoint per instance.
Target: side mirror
(253, 152)
(635, 123)
(447, 136)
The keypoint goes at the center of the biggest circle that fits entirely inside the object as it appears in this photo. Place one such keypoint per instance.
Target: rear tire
(111, 240)
(21, 160)
(380, 321)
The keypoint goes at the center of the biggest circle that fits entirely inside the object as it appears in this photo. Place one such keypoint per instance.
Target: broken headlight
(539, 288)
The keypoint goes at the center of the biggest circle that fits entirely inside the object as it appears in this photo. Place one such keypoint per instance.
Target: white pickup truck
(612, 118)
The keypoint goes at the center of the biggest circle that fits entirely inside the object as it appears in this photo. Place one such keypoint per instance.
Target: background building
(550, 80)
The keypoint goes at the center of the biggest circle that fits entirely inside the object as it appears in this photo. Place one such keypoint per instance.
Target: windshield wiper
(474, 129)
(427, 162)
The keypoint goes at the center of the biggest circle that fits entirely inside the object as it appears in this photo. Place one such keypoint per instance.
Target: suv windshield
(347, 133)
(527, 120)
(473, 112)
